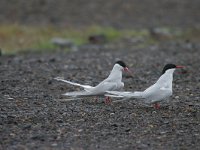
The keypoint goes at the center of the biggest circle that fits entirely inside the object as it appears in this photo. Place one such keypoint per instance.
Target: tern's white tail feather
(86, 87)
(137, 94)
(77, 94)
(124, 94)
(111, 95)
(70, 99)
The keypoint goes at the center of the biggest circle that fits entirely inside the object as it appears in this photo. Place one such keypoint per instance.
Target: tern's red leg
(107, 100)
(157, 106)
(95, 99)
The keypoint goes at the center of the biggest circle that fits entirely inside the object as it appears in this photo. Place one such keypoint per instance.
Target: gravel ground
(34, 115)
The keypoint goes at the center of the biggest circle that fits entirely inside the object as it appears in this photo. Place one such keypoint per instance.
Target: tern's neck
(116, 73)
(166, 78)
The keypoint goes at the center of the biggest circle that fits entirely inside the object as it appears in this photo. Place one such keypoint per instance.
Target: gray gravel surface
(33, 114)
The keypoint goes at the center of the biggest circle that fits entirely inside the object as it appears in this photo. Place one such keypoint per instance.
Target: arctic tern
(159, 91)
(112, 83)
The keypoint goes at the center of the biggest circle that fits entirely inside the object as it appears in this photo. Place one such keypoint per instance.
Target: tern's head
(122, 66)
(170, 67)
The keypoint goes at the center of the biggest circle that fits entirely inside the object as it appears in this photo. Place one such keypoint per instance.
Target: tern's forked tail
(77, 94)
(119, 94)
(86, 87)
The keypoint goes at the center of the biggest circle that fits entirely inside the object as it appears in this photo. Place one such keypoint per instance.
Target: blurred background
(49, 24)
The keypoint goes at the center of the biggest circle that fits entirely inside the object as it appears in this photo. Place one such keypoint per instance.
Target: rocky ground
(34, 115)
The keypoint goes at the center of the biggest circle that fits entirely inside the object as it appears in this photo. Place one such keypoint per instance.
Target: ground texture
(33, 114)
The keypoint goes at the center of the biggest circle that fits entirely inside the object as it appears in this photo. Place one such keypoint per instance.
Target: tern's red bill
(179, 66)
(127, 70)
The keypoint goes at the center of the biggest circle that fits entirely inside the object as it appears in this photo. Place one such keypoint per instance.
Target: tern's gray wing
(156, 93)
(96, 91)
(104, 86)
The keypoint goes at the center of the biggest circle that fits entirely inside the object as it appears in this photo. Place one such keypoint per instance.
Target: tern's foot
(157, 106)
(95, 99)
(108, 100)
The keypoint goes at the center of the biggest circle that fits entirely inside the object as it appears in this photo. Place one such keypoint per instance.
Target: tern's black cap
(168, 66)
(121, 63)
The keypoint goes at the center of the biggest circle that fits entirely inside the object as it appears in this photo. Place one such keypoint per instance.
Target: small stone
(160, 33)
(112, 114)
(59, 121)
(80, 130)
(163, 132)
(12, 134)
(151, 126)
(28, 126)
(114, 125)
(52, 60)
(54, 144)
(138, 142)
(176, 97)
(127, 130)
(97, 39)
(49, 82)
(61, 42)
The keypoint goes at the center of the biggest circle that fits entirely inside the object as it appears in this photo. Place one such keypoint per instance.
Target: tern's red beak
(127, 70)
(179, 66)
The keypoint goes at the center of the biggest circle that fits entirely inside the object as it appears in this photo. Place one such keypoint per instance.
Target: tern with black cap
(112, 83)
(159, 91)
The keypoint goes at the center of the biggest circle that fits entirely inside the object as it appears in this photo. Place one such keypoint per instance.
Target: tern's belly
(119, 86)
(159, 96)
